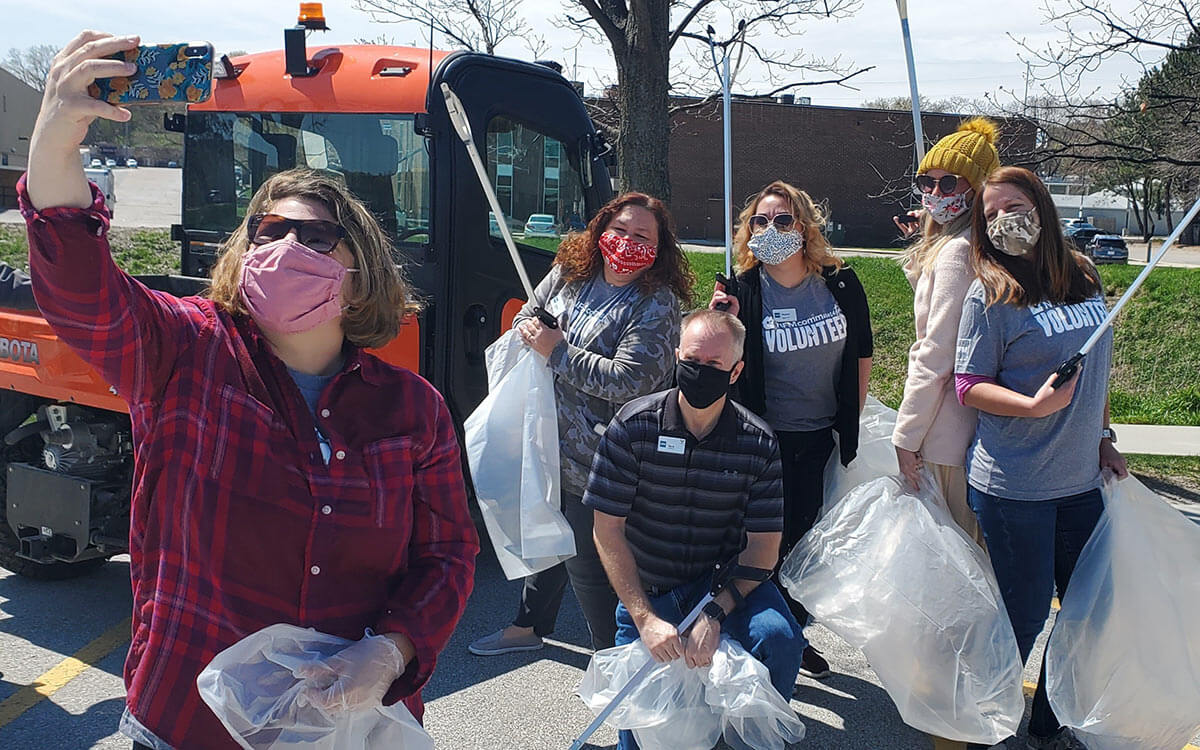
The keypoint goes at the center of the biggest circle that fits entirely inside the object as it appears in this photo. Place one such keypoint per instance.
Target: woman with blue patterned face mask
(808, 350)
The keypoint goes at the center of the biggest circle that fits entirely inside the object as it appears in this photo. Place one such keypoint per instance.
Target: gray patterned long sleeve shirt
(599, 370)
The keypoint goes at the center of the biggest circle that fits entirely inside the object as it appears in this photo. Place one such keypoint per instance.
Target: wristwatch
(713, 610)
(1109, 433)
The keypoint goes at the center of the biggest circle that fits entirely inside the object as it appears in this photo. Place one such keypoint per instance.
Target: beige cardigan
(931, 421)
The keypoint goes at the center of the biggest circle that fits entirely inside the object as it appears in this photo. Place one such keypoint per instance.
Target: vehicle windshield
(380, 158)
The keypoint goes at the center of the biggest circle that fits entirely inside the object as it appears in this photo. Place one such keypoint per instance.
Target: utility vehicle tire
(14, 409)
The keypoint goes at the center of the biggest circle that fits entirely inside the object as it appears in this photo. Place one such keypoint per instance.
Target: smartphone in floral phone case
(165, 73)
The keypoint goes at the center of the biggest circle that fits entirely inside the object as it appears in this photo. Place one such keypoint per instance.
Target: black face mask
(701, 385)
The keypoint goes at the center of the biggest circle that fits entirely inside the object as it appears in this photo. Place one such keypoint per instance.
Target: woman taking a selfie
(281, 474)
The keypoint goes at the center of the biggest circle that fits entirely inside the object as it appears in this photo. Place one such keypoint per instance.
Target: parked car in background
(172, 164)
(1081, 233)
(97, 164)
(131, 163)
(110, 163)
(103, 177)
(541, 225)
(1107, 248)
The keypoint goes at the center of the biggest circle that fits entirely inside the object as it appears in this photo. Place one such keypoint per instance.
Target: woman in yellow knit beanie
(933, 429)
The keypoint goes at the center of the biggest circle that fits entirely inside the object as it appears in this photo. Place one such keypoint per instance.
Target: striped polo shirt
(688, 503)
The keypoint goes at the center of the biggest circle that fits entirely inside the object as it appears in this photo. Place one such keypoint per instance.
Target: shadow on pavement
(492, 605)
(844, 711)
(64, 616)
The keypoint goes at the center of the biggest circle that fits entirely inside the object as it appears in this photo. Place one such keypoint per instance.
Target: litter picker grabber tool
(918, 131)
(458, 118)
(723, 576)
(1067, 369)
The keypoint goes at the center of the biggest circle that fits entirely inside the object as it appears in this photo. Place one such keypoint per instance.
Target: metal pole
(918, 132)
(634, 681)
(1068, 368)
(727, 125)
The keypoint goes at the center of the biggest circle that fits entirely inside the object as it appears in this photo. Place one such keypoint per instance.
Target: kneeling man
(684, 480)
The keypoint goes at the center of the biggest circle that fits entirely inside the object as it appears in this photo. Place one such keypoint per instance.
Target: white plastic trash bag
(252, 688)
(888, 570)
(677, 708)
(512, 449)
(1123, 662)
(876, 455)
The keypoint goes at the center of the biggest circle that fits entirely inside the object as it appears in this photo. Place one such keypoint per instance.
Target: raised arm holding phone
(281, 473)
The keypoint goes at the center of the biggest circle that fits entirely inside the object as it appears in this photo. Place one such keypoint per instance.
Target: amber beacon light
(312, 16)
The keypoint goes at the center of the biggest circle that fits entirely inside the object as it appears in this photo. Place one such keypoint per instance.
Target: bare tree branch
(31, 64)
(479, 25)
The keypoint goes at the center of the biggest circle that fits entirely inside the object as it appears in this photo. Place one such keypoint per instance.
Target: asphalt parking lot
(62, 646)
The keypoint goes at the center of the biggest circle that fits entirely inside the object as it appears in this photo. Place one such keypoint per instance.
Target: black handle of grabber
(730, 289)
(1067, 370)
(547, 319)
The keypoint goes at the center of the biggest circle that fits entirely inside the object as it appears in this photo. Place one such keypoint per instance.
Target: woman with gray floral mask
(808, 350)
(933, 429)
(1034, 465)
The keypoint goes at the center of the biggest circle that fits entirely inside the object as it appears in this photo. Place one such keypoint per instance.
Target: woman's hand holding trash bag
(1112, 460)
(910, 466)
(541, 338)
(356, 677)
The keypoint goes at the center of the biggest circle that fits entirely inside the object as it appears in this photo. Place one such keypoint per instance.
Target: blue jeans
(1034, 545)
(763, 625)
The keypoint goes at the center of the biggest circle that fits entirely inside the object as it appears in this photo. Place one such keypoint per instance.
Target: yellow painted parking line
(66, 670)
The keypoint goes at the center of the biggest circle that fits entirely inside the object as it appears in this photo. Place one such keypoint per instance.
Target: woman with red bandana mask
(281, 474)
(617, 289)
(808, 351)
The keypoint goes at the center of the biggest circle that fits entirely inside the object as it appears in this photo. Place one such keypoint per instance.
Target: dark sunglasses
(782, 222)
(947, 183)
(315, 234)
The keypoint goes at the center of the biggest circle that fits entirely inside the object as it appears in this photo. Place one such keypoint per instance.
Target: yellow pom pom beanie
(969, 152)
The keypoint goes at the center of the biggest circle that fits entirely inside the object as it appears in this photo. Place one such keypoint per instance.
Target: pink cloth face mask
(290, 288)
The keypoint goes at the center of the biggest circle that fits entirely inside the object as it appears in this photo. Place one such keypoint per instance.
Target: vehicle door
(542, 157)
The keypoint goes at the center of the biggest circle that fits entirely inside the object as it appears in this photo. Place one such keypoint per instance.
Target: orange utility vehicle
(374, 115)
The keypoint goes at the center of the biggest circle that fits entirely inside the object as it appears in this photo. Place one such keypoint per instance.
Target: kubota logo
(19, 350)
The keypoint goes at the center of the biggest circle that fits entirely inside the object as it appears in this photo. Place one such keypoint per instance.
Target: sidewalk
(1158, 440)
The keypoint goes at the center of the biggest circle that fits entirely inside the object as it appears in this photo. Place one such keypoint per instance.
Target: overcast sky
(964, 48)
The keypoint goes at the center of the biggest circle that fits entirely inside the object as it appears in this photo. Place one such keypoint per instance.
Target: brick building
(858, 161)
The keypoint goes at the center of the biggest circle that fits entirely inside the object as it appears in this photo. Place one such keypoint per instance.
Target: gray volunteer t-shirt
(804, 336)
(1023, 458)
(594, 309)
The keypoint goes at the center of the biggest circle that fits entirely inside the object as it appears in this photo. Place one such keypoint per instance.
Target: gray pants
(543, 591)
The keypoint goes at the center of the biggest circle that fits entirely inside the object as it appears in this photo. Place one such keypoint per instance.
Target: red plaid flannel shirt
(237, 522)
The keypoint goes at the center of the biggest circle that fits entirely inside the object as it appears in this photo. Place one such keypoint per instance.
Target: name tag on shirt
(671, 445)
(786, 315)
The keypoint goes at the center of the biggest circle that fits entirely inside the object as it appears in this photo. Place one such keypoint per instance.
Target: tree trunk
(643, 67)
(1147, 211)
(1137, 211)
(1167, 203)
